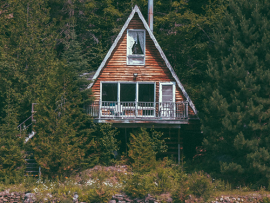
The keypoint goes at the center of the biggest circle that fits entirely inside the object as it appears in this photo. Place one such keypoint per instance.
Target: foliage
(27, 42)
(181, 191)
(184, 31)
(11, 144)
(143, 148)
(103, 144)
(200, 185)
(62, 129)
(236, 116)
(164, 177)
(139, 185)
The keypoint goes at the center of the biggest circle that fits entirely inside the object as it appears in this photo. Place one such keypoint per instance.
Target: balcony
(139, 112)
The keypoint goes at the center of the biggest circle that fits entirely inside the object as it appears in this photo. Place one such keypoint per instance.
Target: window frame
(128, 82)
(136, 96)
(137, 55)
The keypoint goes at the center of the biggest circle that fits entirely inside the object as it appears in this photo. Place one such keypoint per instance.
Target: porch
(139, 112)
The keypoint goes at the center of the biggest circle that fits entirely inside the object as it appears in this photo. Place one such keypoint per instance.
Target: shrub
(200, 185)
(101, 186)
(139, 185)
(164, 176)
(265, 200)
(181, 191)
(100, 195)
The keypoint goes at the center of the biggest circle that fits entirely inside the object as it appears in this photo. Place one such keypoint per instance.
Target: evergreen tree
(101, 145)
(61, 128)
(183, 30)
(27, 41)
(144, 147)
(77, 63)
(11, 140)
(236, 107)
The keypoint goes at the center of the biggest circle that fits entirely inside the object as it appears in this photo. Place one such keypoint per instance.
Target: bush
(102, 187)
(200, 185)
(181, 191)
(139, 185)
(164, 176)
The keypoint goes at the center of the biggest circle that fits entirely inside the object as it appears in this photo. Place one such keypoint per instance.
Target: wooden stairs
(32, 168)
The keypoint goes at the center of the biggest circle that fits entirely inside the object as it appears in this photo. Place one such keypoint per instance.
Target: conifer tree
(27, 41)
(236, 119)
(61, 127)
(11, 140)
(77, 63)
(144, 147)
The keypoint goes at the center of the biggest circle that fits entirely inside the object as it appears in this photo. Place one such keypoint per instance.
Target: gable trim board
(137, 10)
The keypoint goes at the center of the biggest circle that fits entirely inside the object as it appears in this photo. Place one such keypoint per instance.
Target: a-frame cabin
(135, 86)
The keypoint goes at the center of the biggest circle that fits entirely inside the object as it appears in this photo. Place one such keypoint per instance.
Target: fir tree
(11, 140)
(77, 63)
(62, 128)
(144, 147)
(102, 145)
(27, 41)
(236, 106)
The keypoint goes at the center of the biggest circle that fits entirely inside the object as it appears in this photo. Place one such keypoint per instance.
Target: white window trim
(136, 56)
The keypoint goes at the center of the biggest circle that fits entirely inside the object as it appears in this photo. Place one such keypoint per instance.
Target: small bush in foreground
(181, 191)
(139, 185)
(201, 185)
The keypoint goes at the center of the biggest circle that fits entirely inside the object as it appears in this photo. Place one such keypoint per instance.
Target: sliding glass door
(146, 100)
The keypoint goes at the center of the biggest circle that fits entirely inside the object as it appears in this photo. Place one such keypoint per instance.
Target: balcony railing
(138, 110)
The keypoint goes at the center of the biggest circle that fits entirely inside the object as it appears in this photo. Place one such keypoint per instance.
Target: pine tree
(102, 145)
(27, 41)
(236, 107)
(183, 30)
(144, 147)
(77, 63)
(11, 140)
(61, 128)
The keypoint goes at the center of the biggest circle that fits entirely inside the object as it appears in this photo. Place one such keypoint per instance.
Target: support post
(126, 139)
(39, 173)
(179, 158)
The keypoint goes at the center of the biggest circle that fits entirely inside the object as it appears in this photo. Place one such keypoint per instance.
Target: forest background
(219, 50)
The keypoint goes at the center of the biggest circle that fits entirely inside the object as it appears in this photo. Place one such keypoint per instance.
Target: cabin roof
(137, 10)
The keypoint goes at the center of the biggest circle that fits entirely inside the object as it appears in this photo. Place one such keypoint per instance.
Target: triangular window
(135, 47)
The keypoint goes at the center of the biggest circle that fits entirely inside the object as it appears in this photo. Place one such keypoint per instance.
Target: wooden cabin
(135, 86)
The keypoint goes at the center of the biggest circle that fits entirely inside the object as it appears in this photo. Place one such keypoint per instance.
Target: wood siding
(154, 70)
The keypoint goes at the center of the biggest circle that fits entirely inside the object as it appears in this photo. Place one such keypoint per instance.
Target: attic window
(135, 47)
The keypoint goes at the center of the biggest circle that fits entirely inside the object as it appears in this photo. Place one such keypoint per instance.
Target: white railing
(143, 110)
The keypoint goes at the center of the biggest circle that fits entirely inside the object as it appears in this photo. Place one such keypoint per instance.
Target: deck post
(126, 139)
(179, 146)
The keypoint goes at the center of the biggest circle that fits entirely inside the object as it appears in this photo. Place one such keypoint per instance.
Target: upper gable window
(135, 47)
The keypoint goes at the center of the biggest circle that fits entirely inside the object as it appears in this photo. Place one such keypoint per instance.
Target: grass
(100, 183)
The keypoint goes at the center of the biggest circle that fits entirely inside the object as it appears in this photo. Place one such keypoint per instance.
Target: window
(146, 93)
(135, 47)
(109, 92)
(127, 92)
(128, 99)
